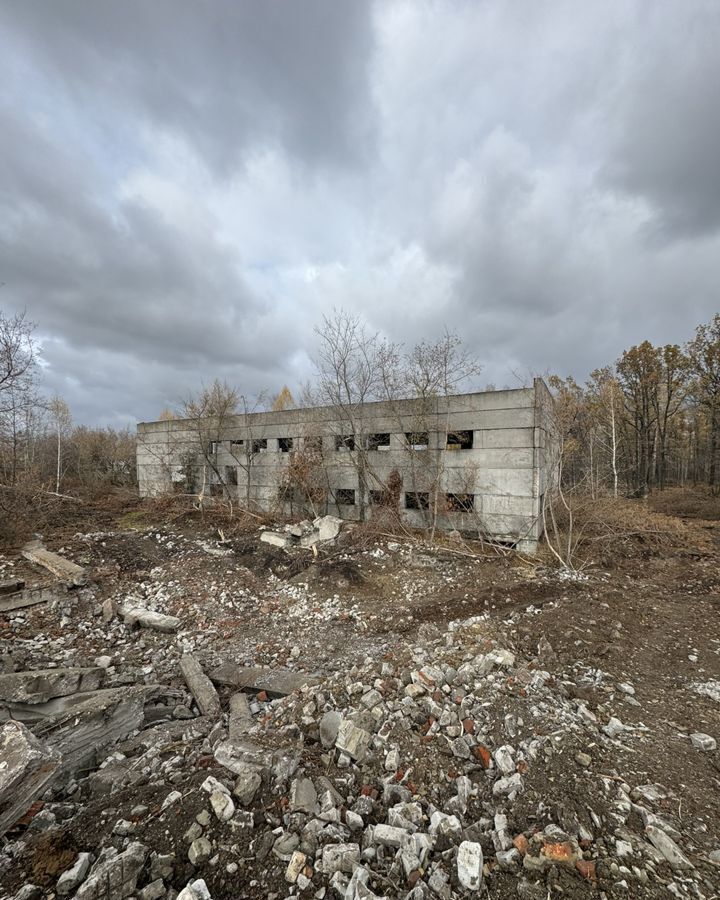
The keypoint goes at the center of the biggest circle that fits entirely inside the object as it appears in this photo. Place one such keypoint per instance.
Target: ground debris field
(366, 716)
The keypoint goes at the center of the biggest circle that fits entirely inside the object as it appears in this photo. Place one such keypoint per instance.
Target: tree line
(650, 420)
(41, 448)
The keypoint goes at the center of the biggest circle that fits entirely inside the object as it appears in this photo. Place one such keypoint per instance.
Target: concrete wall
(505, 471)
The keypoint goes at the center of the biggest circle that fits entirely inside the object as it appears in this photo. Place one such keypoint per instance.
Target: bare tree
(17, 353)
(209, 411)
(354, 366)
(61, 420)
(434, 370)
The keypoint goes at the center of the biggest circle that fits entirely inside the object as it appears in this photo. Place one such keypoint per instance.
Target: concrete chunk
(669, 849)
(353, 740)
(328, 527)
(470, 865)
(74, 876)
(115, 876)
(276, 540)
(303, 796)
(200, 686)
(26, 767)
(145, 618)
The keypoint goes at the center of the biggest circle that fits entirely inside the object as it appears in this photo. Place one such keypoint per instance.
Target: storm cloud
(186, 187)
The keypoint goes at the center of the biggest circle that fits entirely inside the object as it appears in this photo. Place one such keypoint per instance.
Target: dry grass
(687, 503)
(605, 530)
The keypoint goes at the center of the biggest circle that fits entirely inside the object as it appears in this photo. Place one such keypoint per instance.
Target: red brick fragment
(482, 754)
(521, 844)
(468, 726)
(586, 868)
(560, 852)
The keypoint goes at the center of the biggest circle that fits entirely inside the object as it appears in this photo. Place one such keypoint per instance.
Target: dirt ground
(645, 614)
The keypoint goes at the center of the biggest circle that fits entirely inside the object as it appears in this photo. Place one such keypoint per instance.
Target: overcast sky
(186, 186)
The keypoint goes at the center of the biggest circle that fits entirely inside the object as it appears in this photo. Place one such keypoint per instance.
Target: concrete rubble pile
(407, 778)
(450, 768)
(305, 534)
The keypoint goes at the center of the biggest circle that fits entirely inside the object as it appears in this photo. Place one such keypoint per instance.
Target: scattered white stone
(703, 741)
(171, 798)
(73, 877)
(669, 849)
(295, 866)
(470, 865)
(196, 890)
(222, 805)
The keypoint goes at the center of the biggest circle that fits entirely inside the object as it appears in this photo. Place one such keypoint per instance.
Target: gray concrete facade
(473, 462)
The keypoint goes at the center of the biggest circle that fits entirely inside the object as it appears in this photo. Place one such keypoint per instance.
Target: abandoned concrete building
(472, 462)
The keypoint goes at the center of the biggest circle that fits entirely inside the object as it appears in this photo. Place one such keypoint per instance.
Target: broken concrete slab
(60, 567)
(240, 718)
(146, 618)
(241, 757)
(276, 682)
(41, 685)
(27, 766)
(11, 586)
(28, 597)
(81, 726)
(200, 687)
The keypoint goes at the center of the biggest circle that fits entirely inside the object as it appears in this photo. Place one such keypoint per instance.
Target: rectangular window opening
(464, 503)
(460, 440)
(345, 497)
(345, 442)
(259, 445)
(417, 500)
(231, 475)
(285, 444)
(417, 440)
(237, 443)
(379, 441)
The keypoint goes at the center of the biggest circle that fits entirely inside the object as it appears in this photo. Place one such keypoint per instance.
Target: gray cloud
(186, 187)
(665, 124)
(222, 74)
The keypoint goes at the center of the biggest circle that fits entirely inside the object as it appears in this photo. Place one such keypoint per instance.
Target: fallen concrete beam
(146, 618)
(200, 686)
(240, 718)
(28, 597)
(60, 567)
(278, 682)
(26, 767)
(41, 685)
